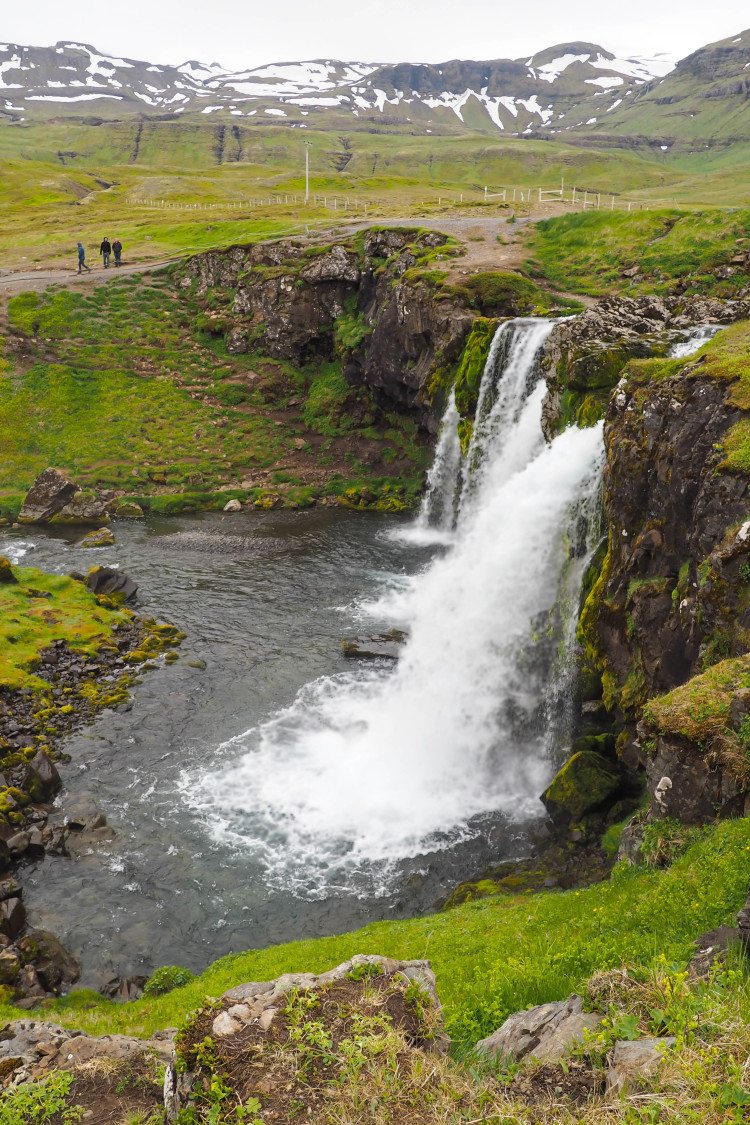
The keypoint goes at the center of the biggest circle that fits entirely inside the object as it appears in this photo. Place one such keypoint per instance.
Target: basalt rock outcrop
(369, 302)
(585, 355)
(670, 602)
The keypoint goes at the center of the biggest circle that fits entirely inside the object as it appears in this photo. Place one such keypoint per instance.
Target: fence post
(598, 201)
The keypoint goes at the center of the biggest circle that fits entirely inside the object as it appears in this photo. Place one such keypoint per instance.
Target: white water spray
(371, 766)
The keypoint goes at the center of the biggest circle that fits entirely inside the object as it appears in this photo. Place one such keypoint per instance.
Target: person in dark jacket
(81, 259)
(105, 250)
(117, 249)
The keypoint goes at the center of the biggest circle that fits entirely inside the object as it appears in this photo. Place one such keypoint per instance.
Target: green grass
(40, 608)
(725, 359)
(497, 955)
(128, 386)
(586, 252)
(55, 176)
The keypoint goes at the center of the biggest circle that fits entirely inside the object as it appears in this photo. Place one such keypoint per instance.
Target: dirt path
(37, 280)
(491, 243)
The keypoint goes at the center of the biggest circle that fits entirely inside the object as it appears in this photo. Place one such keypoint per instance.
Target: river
(264, 600)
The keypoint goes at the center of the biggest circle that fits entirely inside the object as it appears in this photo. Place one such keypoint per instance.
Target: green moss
(350, 330)
(586, 781)
(496, 293)
(700, 709)
(471, 367)
(41, 608)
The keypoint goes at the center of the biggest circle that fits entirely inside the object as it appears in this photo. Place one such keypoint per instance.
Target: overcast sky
(248, 33)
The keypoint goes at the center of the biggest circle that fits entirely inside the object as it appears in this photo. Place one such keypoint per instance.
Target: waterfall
(438, 509)
(372, 765)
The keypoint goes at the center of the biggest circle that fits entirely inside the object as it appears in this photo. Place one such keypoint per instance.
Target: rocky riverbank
(68, 653)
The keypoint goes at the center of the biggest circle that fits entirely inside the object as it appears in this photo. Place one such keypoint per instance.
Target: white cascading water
(373, 765)
(694, 338)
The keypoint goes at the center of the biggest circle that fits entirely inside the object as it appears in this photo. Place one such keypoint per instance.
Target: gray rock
(547, 1032)
(12, 917)
(129, 510)
(248, 991)
(108, 580)
(48, 495)
(634, 1061)
(225, 1026)
(56, 968)
(337, 265)
(375, 646)
(233, 506)
(18, 844)
(711, 948)
(46, 771)
(102, 537)
(236, 342)
(83, 508)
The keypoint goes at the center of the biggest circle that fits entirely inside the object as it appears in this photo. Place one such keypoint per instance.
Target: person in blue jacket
(81, 258)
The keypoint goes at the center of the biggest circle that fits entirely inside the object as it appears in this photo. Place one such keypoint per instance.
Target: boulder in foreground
(305, 1044)
(548, 1032)
(48, 495)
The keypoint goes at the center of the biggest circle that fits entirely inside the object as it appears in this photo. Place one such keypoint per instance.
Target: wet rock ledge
(69, 648)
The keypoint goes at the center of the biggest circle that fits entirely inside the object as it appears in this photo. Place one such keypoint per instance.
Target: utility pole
(307, 171)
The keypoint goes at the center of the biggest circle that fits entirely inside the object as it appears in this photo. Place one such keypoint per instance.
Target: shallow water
(264, 601)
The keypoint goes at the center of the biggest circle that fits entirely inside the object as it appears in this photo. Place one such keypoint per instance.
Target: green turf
(587, 252)
(496, 955)
(128, 386)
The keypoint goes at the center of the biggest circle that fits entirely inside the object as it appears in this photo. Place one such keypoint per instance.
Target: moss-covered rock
(129, 510)
(101, 538)
(7, 577)
(471, 368)
(584, 783)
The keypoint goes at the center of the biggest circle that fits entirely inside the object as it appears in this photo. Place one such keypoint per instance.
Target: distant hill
(566, 86)
(703, 103)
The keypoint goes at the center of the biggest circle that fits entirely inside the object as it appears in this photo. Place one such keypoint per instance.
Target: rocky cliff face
(672, 597)
(370, 303)
(585, 355)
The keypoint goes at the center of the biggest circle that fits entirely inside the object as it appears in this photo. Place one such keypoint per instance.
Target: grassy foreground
(494, 956)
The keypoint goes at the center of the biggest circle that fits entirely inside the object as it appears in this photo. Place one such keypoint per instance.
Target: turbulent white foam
(695, 338)
(371, 766)
(16, 549)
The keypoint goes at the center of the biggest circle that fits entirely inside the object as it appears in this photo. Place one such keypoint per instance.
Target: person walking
(81, 258)
(117, 248)
(105, 250)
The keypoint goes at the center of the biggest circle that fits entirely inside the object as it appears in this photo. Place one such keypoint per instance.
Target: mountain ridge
(515, 96)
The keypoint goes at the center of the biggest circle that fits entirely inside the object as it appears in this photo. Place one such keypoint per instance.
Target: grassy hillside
(588, 252)
(127, 388)
(85, 181)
